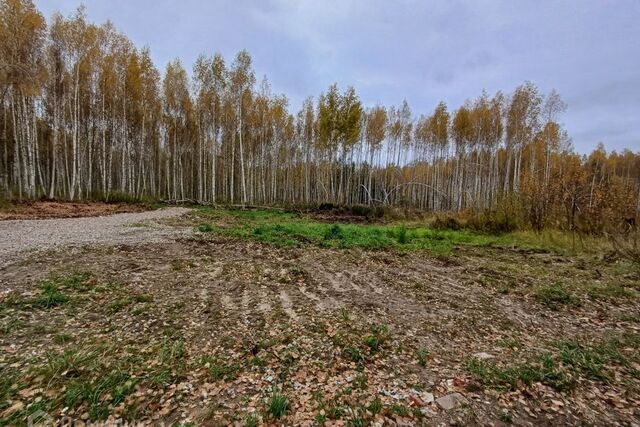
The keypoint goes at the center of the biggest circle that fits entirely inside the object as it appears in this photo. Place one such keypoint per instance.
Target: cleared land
(271, 317)
(49, 209)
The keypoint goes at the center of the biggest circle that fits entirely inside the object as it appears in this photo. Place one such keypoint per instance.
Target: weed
(355, 354)
(76, 280)
(205, 228)
(62, 338)
(591, 361)
(335, 232)
(505, 417)
(251, 420)
(278, 404)
(555, 295)
(560, 369)
(355, 420)
(422, 357)
(344, 314)
(172, 352)
(141, 310)
(297, 272)
(399, 409)
(335, 412)
(401, 235)
(379, 335)
(360, 381)
(610, 291)
(119, 304)
(372, 342)
(220, 369)
(510, 343)
(50, 297)
(375, 407)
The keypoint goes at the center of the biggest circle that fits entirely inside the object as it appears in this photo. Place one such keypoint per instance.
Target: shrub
(493, 222)
(447, 222)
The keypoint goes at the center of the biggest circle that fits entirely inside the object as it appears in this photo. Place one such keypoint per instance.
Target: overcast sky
(424, 51)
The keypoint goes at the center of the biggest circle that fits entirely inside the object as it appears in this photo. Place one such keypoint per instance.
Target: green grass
(610, 291)
(278, 404)
(50, 297)
(556, 295)
(344, 314)
(375, 407)
(379, 335)
(251, 420)
(422, 357)
(505, 379)
(355, 355)
(205, 228)
(63, 338)
(54, 292)
(289, 229)
(562, 368)
(124, 302)
(219, 368)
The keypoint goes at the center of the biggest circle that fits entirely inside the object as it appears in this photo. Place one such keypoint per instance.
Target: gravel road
(20, 236)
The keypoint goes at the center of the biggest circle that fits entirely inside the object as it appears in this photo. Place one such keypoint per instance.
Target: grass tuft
(278, 404)
(205, 228)
(555, 296)
(50, 297)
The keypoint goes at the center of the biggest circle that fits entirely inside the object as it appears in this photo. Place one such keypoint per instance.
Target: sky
(421, 51)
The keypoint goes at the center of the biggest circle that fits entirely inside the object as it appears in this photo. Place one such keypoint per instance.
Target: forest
(86, 115)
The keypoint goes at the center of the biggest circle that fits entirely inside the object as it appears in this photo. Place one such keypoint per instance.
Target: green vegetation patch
(566, 365)
(556, 295)
(290, 229)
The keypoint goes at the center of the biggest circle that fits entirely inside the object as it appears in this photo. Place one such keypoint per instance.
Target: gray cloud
(422, 51)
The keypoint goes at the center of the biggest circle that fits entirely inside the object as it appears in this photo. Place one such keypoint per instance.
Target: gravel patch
(20, 236)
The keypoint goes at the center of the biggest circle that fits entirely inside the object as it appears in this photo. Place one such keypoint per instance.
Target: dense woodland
(85, 114)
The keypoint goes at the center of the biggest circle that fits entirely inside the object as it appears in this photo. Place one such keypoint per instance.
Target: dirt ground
(350, 337)
(47, 209)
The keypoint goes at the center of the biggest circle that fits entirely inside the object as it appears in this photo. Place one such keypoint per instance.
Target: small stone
(451, 401)
(427, 397)
(85, 416)
(483, 356)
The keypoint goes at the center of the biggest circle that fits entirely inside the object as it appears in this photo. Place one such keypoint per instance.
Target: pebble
(451, 401)
(483, 356)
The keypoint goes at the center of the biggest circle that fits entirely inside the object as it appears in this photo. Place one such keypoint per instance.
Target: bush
(493, 222)
(324, 207)
(447, 222)
(627, 246)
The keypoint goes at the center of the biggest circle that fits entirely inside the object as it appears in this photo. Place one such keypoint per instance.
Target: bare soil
(54, 209)
(297, 319)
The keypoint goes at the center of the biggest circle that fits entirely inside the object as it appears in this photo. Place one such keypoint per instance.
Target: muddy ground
(209, 329)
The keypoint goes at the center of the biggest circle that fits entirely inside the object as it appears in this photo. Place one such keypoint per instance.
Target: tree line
(87, 115)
